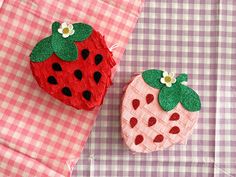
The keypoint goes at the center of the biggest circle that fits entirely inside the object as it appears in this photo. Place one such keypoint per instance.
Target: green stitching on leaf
(42, 51)
(82, 32)
(190, 99)
(64, 49)
(182, 78)
(169, 97)
(152, 78)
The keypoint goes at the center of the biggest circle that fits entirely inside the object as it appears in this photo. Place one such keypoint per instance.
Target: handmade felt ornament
(73, 65)
(158, 111)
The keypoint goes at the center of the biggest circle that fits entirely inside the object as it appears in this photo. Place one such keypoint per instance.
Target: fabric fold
(23, 165)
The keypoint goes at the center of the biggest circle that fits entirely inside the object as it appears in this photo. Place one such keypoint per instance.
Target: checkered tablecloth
(40, 136)
(199, 38)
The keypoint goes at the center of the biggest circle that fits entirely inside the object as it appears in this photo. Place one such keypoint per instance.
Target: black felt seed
(56, 67)
(66, 91)
(97, 76)
(85, 53)
(98, 59)
(52, 80)
(87, 94)
(78, 74)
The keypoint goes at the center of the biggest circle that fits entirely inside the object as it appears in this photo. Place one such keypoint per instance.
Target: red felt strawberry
(158, 111)
(73, 65)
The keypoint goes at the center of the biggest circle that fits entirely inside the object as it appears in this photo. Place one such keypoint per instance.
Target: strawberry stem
(182, 78)
(55, 27)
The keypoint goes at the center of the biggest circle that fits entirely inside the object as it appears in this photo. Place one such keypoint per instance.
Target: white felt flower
(66, 30)
(168, 79)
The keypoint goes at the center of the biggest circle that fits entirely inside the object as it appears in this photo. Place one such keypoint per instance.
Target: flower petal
(65, 35)
(72, 32)
(163, 80)
(173, 80)
(172, 74)
(60, 30)
(64, 25)
(70, 26)
(168, 84)
(165, 74)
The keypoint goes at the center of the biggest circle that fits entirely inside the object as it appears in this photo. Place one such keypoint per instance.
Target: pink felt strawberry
(73, 65)
(158, 111)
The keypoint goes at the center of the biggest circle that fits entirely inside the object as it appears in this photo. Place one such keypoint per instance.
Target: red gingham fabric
(40, 136)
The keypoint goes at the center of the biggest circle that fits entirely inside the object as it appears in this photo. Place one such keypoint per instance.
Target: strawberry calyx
(61, 44)
(172, 91)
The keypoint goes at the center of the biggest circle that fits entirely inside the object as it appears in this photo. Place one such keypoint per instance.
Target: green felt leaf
(152, 77)
(64, 49)
(82, 32)
(190, 99)
(169, 97)
(182, 78)
(42, 51)
(55, 27)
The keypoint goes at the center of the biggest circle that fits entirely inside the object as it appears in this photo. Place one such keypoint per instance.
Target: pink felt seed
(138, 139)
(151, 121)
(149, 98)
(133, 121)
(159, 138)
(174, 130)
(135, 103)
(174, 116)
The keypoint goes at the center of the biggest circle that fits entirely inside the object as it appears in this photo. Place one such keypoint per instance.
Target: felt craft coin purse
(73, 65)
(158, 111)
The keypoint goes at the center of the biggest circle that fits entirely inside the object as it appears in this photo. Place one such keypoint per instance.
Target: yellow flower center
(65, 30)
(167, 79)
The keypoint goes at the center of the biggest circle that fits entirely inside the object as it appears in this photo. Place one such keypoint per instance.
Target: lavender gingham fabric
(196, 37)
